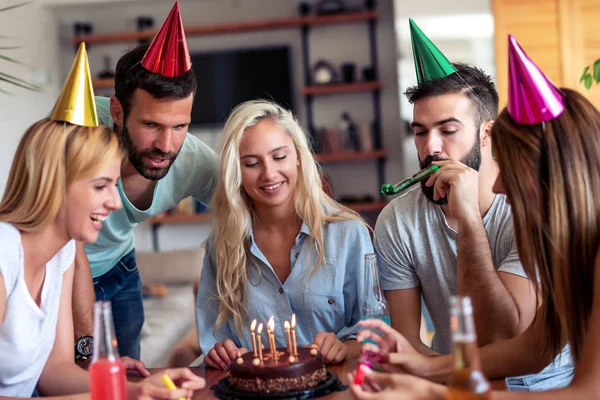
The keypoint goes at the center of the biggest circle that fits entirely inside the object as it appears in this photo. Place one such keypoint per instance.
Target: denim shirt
(328, 300)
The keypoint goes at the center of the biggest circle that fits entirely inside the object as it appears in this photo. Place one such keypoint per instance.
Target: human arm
(83, 298)
(399, 279)
(526, 349)
(587, 371)
(60, 375)
(513, 357)
(384, 386)
(504, 303)
(205, 171)
(405, 313)
(357, 243)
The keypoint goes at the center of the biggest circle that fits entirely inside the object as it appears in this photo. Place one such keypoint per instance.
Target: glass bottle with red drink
(467, 381)
(107, 372)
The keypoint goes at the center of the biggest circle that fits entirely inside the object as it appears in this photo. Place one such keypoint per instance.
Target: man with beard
(453, 234)
(151, 111)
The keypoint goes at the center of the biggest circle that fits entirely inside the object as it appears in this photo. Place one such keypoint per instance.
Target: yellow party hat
(76, 103)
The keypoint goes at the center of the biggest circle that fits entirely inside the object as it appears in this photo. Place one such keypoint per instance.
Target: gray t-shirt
(416, 247)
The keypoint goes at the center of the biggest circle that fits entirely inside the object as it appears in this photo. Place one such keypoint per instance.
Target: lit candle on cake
(287, 336)
(252, 328)
(271, 331)
(259, 344)
(294, 348)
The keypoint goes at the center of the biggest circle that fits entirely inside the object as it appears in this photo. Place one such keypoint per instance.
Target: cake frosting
(305, 371)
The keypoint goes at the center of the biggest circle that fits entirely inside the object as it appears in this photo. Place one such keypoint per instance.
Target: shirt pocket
(325, 312)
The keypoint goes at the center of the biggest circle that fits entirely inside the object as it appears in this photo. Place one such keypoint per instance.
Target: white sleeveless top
(27, 333)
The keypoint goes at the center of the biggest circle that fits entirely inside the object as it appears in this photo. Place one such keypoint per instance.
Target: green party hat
(430, 63)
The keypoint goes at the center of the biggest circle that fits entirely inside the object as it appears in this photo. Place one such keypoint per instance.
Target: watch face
(85, 346)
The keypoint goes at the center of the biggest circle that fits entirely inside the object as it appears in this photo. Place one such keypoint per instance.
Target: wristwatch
(84, 347)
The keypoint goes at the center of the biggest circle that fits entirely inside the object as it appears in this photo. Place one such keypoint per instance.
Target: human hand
(222, 354)
(332, 349)
(400, 355)
(460, 185)
(383, 386)
(153, 387)
(135, 365)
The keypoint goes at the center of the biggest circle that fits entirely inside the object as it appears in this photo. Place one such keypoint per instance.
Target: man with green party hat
(150, 111)
(453, 235)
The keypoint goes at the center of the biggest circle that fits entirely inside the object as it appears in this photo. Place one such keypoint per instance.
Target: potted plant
(5, 77)
(590, 74)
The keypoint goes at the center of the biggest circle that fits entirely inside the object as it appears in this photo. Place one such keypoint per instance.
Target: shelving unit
(219, 29)
(310, 91)
(338, 88)
(206, 217)
(351, 156)
(319, 90)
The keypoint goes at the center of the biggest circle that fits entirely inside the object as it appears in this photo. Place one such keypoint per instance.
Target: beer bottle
(467, 381)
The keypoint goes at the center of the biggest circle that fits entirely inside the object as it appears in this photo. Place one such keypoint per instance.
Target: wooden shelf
(103, 83)
(282, 23)
(351, 156)
(180, 219)
(341, 88)
(367, 206)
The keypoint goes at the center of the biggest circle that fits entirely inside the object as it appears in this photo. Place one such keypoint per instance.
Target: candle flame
(259, 329)
(293, 321)
(271, 324)
(286, 325)
(253, 326)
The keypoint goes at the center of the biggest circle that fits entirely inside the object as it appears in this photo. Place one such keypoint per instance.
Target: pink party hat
(532, 97)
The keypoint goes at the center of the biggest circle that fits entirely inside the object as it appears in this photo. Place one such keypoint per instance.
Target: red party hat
(168, 53)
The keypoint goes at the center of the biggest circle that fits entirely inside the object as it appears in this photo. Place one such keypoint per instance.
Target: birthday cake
(288, 373)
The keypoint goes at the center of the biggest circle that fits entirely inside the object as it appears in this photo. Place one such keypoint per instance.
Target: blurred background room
(342, 66)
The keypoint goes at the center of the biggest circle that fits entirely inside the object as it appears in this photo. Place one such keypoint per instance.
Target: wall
(463, 30)
(350, 43)
(34, 30)
(569, 41)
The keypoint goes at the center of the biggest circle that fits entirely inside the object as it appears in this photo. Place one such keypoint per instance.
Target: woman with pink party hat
(547, 145)
(60, 187)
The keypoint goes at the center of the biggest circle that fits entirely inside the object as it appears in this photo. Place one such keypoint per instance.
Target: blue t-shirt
(193, 173)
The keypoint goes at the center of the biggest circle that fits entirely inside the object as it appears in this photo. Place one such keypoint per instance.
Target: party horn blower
(389, 189)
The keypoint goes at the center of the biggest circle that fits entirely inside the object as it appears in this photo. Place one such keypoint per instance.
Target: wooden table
(213, 376)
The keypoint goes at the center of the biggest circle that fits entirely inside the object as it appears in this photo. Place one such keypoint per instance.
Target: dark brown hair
(551, 174)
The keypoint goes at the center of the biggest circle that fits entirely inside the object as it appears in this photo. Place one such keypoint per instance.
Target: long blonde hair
(551, 175)
(51, 155)
(234, 214)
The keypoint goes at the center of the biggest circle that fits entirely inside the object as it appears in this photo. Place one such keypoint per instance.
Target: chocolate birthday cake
(305, 371)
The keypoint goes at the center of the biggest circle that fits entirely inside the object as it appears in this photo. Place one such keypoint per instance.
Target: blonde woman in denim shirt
(280, 245)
